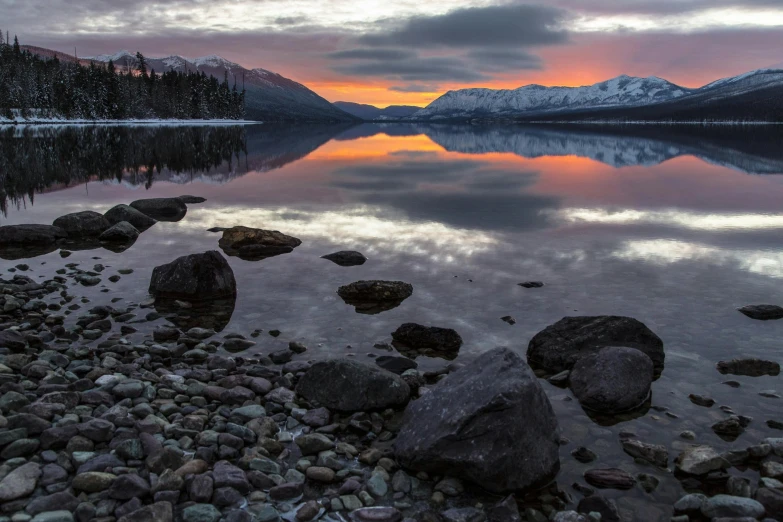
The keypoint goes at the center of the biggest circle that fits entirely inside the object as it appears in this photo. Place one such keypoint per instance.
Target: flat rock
(194, 277)
(161, 209)
(612, 380)
(653, 453)
(728, 506)
(119, 213)
(376, 514)
(349, 386)
(20, 482)
(489, 422)
(82, 224)
(375, 296)
(610, 478)
(346, 258)
(30, 234)
(256, 243)
(750, 367)
(762, 312)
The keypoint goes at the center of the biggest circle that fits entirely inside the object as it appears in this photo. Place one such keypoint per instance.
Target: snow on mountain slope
(623, 91)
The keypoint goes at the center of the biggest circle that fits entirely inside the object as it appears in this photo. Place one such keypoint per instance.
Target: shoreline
(151, 122)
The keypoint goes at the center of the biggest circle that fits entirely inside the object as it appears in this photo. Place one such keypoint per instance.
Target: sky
(391, 52)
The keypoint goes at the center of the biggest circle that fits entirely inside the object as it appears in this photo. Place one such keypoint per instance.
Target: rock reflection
(213, 314)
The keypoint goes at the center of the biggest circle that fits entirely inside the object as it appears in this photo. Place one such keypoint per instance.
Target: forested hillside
(34, 86)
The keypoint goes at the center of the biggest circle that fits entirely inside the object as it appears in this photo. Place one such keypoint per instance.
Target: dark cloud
(492, 26)
(415, 87)
(416, 69)
(501, 60)
(373, 54)
(291, 20)
(657, 7)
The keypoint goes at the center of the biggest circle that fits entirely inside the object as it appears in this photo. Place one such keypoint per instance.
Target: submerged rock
(559, 346)
(346, 258)
(700, 460)
(195, 277)
(610, 478)
(122, 232)
(162, 209)
(489, 422)
(414, 339)
(82, 224)
(653, 453)
(531, 284)
(749, 367)
(256, 243)
(346, 385)
(762, 312)
(613, 380)
(373, 297)
(119, 213)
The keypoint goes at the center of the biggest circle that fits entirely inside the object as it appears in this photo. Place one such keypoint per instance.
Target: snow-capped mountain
(620, 91)
(269, 97)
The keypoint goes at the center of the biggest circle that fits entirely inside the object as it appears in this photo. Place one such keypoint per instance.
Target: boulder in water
(489, 422)
(82, 224)
(196, 277)
(256, 243)
(119, 213)
(122, 232)
(613, 380)
(413, 339)
(346, 258)
(374, 296)
(559, 346)
(763, 312)
(30, 234)
(162, 209)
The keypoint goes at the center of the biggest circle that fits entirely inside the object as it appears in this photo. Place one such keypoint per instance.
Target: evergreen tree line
(40, 159)
(35, 86)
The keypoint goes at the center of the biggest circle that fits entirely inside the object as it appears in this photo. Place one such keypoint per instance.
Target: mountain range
(754, 96)
(269, 96)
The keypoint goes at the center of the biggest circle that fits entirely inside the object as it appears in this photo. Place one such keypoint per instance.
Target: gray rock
(126, 487)
(20, 482)
(762, 312)
(12, 340)
(489, 422)
(374, 296)
(612, 380)
(82, 224)
(157, 512)
(122, 232)
(420, 337)
(313, 443)
(749, 367)
(349, 386)
(772, 500)
(228, 475)
(690, 504)
(700, 460)
(346, 258)
(504, 511)
(201, 513)
(54, 502)
(467, 514)
(376, 514)
(60, 515)
(138, 220)
(559, 346)
(30, 234)
(599, 504)
(728, 506)
(194, 277)
(569, 516)
(653, 453)
(162, 209)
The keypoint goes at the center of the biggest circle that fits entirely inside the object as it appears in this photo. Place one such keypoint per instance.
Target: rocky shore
(104, 421)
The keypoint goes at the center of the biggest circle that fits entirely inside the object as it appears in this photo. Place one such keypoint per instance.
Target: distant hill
(373, 113)
(269, 97)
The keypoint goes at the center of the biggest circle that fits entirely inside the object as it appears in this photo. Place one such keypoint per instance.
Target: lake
(674, 226)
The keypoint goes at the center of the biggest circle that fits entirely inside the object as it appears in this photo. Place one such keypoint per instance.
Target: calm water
(675, 227)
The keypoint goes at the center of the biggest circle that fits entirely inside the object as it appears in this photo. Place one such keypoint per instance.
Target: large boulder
(613, 380)
(82, 224)
(349, 386)
(256, 243)
(196, 277)
(122, 232)
(489, 422)
(30, 234)
(559, 346)
(20, 482)
(372, 297)
(139, 220)
(162, 209)
(413, 339)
